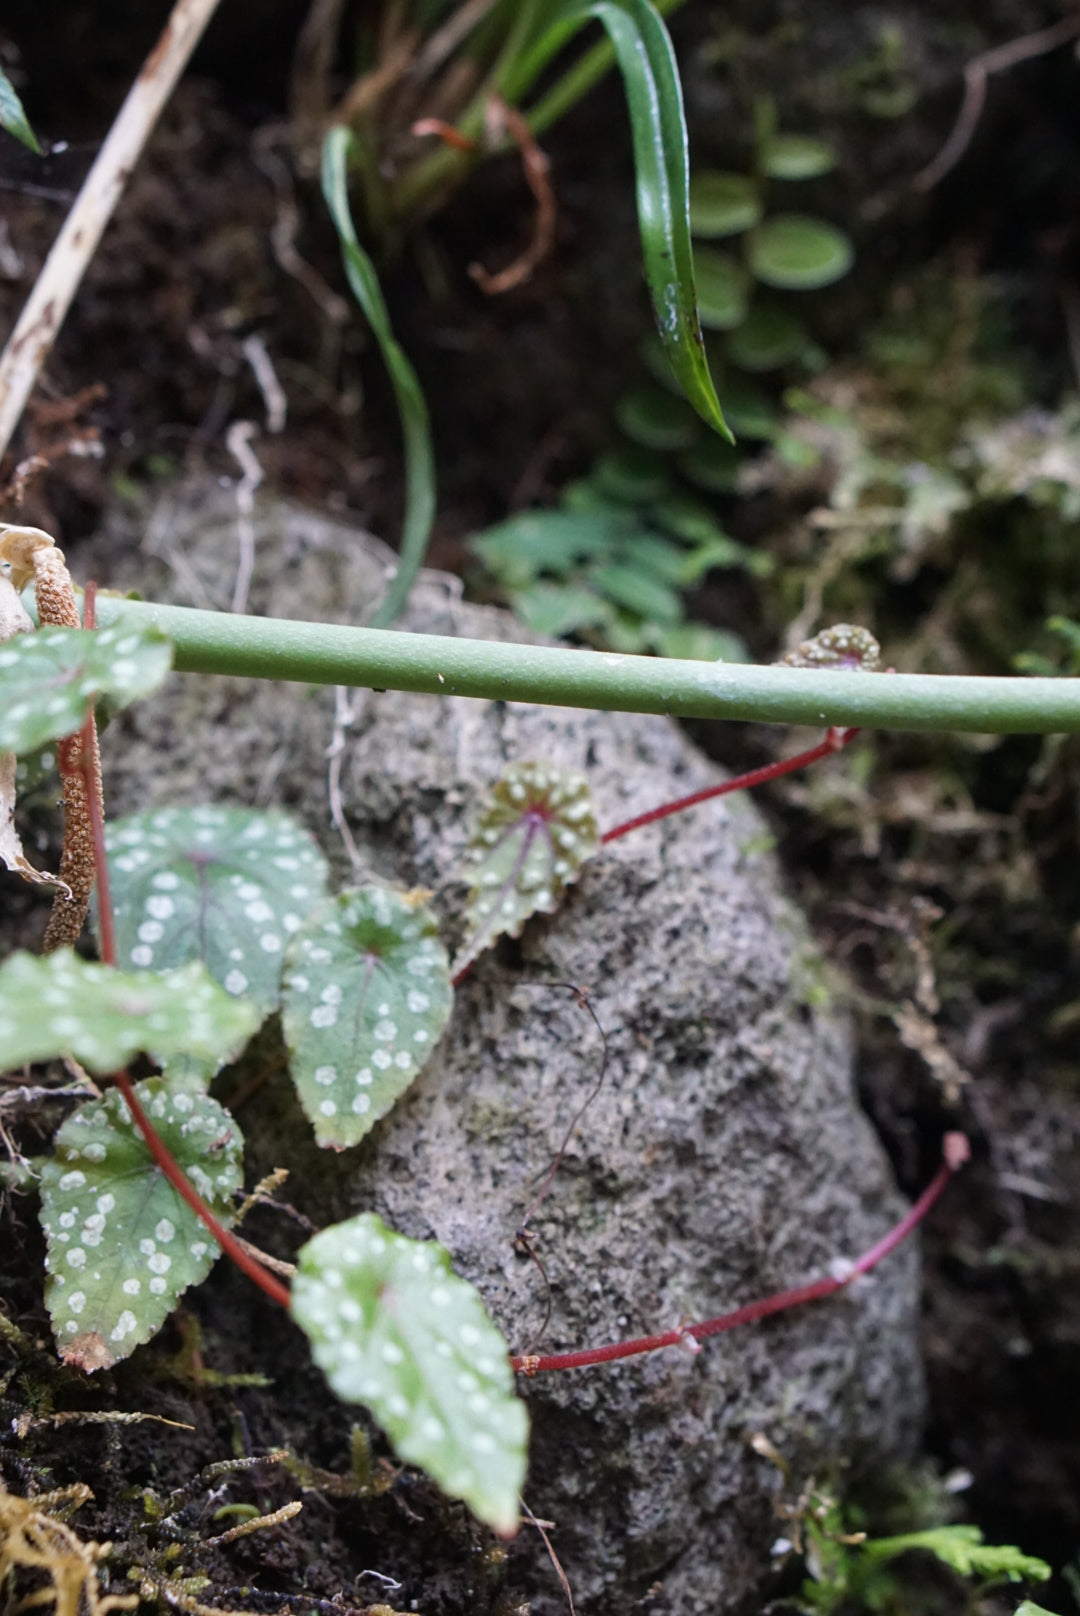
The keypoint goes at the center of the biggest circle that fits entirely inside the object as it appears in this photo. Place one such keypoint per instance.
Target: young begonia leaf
(48, 679)
(65, 1005)
(533, 836)
(365, 996)
(227, 886)
(123, 1245)
(393, 1327)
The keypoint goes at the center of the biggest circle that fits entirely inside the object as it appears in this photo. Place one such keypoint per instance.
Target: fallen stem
(381, 659)
(956, 1151)
(834, 741)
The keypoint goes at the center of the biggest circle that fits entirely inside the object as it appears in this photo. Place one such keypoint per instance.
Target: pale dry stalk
(37, 326)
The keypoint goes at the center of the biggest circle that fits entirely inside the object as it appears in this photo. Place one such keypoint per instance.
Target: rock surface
(724, 1157)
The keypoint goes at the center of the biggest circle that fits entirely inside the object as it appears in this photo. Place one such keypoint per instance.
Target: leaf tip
(88, 1352)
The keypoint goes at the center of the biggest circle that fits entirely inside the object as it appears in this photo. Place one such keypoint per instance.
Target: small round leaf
(797, 157)
(227, 886)
(123, 1245)
(657, 420)
(721, 289)
(393, 1327)
(65, 1005)
(49, 679)
(769, 337)
(798, 254)
(722, 204)
(366, 994)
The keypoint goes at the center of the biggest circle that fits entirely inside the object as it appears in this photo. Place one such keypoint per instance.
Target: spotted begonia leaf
(48, 679)
(227, 886)
(365, 996)
(393, 1327)
(533, 836)
(123, 1245)
(65, 1005)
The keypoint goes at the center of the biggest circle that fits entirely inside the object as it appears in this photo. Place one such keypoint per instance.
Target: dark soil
(521, 391)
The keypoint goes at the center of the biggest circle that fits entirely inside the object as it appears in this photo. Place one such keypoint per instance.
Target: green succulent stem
(432, 664)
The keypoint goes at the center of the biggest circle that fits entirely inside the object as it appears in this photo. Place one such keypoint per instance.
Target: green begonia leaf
(393, 1327)
(48, 679)
(65, 1005)
(534, 834)
(227, 886)
(366, 994)
(123, 1245)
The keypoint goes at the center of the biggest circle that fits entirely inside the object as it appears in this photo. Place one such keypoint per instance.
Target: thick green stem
(381, 659)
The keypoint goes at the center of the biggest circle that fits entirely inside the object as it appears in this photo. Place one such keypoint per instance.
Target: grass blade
(646, 60)
(12, 116)
(416, 429)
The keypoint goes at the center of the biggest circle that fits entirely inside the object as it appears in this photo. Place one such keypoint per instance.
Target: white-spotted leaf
(393, 1327)
(533, 836)
(65, 1005)
(48, 679)
(123, 1245)
(365, 996)
(227, 886)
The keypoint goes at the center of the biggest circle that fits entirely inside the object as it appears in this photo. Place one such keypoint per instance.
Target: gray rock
(725, 1155)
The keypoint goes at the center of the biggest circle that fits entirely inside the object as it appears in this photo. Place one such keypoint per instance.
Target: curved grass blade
(419, 459)
(392, 1326)
(646, 60)
(12, 116)
(123, 1245)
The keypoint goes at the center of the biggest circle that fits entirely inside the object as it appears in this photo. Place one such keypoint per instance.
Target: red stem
(956, 1153)
(176, 1176)
(834, 741)
(154, 1142)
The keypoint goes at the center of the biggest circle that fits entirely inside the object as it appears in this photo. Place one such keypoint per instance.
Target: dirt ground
(951, 859)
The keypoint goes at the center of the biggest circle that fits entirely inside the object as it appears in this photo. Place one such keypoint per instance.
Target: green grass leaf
(650, 73)
(415, 426)
(393, 1327)
(534, 834)
(123, 1245)
(48, 679)
(65, 1005)
(12, 116)
(227, 886)
(365, 996)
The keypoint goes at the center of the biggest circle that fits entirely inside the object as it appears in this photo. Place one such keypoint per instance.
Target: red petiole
(956, 1151)
(157, 1147)
(835, 741)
